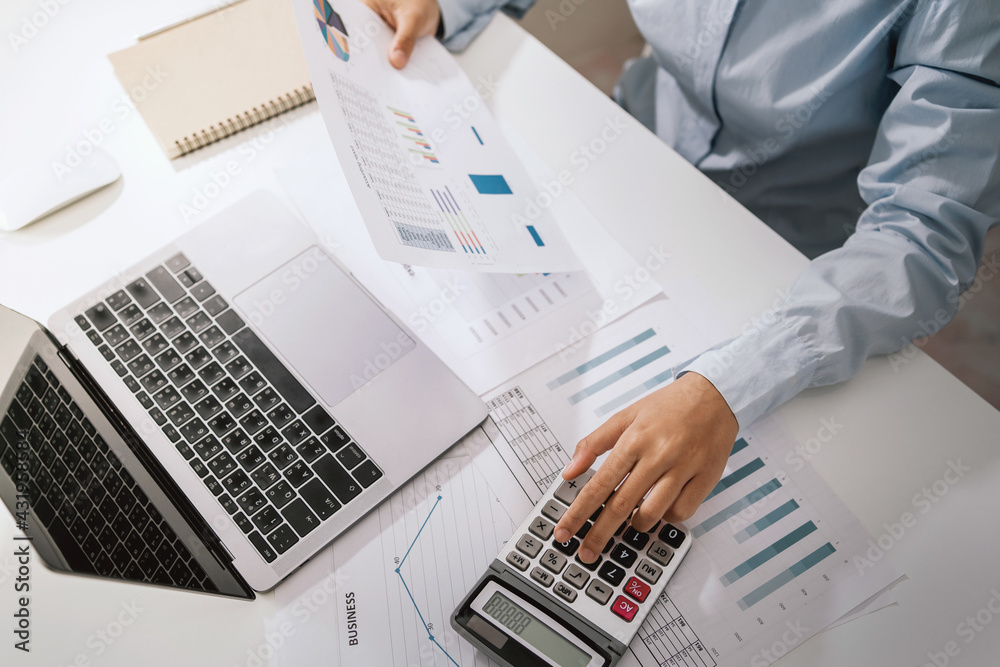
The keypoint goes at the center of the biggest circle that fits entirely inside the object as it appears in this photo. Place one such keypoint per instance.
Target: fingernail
(587, 556)
(561, 535)
(398, 54)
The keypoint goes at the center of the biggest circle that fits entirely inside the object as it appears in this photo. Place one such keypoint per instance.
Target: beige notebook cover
(211, 77)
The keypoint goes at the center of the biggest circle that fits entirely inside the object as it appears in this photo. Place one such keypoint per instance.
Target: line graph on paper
(439, 533)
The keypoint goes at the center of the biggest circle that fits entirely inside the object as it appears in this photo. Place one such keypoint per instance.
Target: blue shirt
(865, 132)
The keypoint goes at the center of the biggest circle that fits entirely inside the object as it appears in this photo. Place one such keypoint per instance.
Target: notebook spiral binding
(254, 116)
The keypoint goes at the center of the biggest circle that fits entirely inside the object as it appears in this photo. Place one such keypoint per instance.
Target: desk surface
(902, 427)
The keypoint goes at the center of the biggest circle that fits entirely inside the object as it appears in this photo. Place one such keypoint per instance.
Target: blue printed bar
(755, 561)
(729, 512)
(618, 375)
(490, 184)
(785, 576)
(769, 520)
(600, 359)
(736, 477)
(635, 392)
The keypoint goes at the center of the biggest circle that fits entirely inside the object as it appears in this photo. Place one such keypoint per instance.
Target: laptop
(215, 416)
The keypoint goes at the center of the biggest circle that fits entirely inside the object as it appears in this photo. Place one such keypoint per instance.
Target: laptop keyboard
(101, 520)
(273, 458)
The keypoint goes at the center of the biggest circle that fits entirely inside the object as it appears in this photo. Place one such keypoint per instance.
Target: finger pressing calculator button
(570, 489)
(529, 545)
(635, 539)
(518, 560)
(553, 510)
(568, 547)
(589, 566)
(599, 591)
(636, 589)
(541, 528)
(672, 535)
(576, 576)
(625, 608)
(543, 578)
(660, 552)
(612, 573)
(565, 592)
(553, 561)
(623, 555)
(648, 571)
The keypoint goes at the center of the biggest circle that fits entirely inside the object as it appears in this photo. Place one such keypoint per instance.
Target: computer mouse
(46, 186)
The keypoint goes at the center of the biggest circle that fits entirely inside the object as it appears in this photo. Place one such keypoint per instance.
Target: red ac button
(625, 608)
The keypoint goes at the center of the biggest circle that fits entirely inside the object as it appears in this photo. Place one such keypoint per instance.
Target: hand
(410, 19)
(673, 443)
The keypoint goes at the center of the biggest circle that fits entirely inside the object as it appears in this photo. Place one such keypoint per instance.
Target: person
(865, 132)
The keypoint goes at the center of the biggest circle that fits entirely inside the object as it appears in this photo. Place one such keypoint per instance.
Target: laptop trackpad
(325, 327)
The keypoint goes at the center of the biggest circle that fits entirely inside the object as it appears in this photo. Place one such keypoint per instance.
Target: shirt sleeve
(932, 189)
(463, 20)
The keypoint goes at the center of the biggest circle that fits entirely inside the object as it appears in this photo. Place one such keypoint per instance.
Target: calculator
(539, 605)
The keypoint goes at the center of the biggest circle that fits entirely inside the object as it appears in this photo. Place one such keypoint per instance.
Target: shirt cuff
(759, 370)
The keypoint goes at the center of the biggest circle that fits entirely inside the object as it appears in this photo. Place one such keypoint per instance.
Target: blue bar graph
(736, 476)
(635, 392)
(729, 512)
(772, 518)
(600, 359)
(490, 184)
(738, 446)
(785, 576)
(619, 374)
(755, 561)
(534, 235)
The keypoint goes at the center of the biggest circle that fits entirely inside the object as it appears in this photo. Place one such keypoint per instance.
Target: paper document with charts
(435, 180)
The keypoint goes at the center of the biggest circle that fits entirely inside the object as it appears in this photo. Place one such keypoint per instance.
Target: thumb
(598, 442)
(407, 31)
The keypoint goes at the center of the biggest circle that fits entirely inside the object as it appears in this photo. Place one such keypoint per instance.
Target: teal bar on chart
(635, 392)
(600, 359)
(785, 576)
(618, 375)
(729, 512)
(737, 476)
(769, 520)
(758, 559)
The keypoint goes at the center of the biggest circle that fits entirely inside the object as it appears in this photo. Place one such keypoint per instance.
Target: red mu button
(637, 589)
(625, 608)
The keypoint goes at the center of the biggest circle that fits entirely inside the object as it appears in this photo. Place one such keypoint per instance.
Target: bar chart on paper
(769, 542)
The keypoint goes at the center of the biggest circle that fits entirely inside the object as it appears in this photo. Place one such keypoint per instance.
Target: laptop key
(230, 322)
(253, 422)
(215, 305)
(238, 367)
(225, 352)
(95, 337)
(178, 263)
(202, 290)
(253, 383)
(318, 420)
(185, 307)
(195, 391)
(300, 518)
(168, 360)
(236, 441)
(159, 313)
(165, 283)
(311, 449)
(143, 293)
(320, 499)
(194, 430)
(350, 456)
(268, 364)
(180, 414)
(199, 468)
(345, 487)
(268, 439)
(335, 438)
(212, 373)
(266, 476)
(251, 501)
(266, 399)
(213, 485)
(283, 456)
(298, 473)
(282, 539)
(237, 483)
(173, 327)
(181, 375)
(185, 342)
(199, 322)
(243, 522)
(208, 408)
(185, 451)
(208, 447)
(262, 547)
(141, 365)
(281, 416)
(158, 417)
(128, 350)
(281, 494)
(119, 300)
(101, 317)
(116, 335)
(367, 473)
(222, 465)
(119, 367)
(130, 315)
(155, 344)
(166, 397)
(250, 458)
(154, 382)
(267, 519)
(82, 322)
(212, 336)
(225, 390)
(296, 432)
(221, 424)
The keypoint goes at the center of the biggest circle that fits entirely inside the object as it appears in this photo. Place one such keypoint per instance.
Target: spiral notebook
(211, 77)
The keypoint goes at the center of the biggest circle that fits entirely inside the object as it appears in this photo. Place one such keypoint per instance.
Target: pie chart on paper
(333, 29)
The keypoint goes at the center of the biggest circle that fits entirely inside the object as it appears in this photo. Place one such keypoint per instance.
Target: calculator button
(584, 529)
(541, 528)
(553, 561)
(648, 571)
(576, 576)
(673, 536)
(568, 547)
(518, 560)
(660, 552)
(569, 489)
(565, 592)
(653, 529)
(612, 573)
(635, 539)
(589, 566)
(623, 555)
(553, 510)
(529, 545)
(625, 608)
(599, 591)
(543, 578)
(636, 589)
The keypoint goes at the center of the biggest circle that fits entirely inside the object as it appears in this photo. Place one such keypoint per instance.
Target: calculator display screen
(534, 632)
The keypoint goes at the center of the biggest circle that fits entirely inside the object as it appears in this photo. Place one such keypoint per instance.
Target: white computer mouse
(45, 186)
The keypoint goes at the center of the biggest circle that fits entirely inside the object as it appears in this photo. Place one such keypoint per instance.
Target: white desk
(900, 428)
